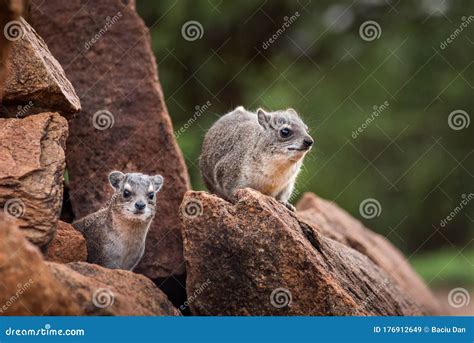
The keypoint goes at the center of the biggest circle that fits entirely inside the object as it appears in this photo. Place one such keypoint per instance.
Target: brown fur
(245, 149)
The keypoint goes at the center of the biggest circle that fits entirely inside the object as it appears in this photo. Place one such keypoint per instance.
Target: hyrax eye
(126, 193)
(285, 132)
(151, 195)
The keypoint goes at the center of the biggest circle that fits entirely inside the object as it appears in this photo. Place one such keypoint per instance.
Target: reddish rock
(27, 287)
(31, 172)
(333, 222)
(68, 245)
(35, 78)
(258, 258)
(104, 48)
(10, 10)
(106, 292)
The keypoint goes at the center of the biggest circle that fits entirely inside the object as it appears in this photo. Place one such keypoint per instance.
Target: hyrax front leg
(284, 195)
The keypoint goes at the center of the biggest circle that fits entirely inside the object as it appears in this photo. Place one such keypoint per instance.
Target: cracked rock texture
(335, 223)
(32, 165)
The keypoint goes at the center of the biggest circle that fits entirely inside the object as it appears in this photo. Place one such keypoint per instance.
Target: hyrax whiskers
(262, 150)
(116, 234)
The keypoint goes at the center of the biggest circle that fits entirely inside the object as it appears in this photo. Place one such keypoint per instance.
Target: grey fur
(115, 235)
(245, 149)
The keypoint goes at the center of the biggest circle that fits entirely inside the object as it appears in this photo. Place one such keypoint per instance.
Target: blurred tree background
(375, 80)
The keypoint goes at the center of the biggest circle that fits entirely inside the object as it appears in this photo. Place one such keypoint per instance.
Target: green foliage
(446, 268)
(408, 158)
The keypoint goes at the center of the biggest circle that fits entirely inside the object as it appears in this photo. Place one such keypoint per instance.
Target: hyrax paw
(289, 206)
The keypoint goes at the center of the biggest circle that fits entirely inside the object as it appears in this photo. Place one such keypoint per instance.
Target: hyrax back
(262, 150)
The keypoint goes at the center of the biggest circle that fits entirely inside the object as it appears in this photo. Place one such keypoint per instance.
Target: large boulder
(105, 50)
(112, 292)
(27, 287)
(34, 77)
(32, 165)
(333, 222)
(68, 245)
(258, 258)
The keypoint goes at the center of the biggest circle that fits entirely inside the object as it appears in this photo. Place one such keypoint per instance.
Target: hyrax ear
(157, 182)
(116, 178)
(263, 118)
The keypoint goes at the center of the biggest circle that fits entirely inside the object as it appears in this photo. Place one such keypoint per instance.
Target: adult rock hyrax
(262, 150)
(115, 235)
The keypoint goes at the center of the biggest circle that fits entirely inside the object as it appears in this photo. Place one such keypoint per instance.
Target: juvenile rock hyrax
(115, 235)
(262, 150)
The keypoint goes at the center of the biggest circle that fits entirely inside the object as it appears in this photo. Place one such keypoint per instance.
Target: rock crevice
(124, 119)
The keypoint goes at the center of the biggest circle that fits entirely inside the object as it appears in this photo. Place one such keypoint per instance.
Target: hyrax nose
(308, 142)
(140, 205)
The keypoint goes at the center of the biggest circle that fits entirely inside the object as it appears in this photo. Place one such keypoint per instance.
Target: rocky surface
(35, 78)
(27, 287)
(32, 164)
(258, 258)
(124, 120)
(10, 10)
(333, 222)
(102, 291)
(68, 245)
(30, 286)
